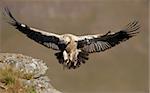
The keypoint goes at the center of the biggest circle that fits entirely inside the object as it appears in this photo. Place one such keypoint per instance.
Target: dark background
(122, 69)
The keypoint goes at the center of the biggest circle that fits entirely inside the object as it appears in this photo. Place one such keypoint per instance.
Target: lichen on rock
(25, 73)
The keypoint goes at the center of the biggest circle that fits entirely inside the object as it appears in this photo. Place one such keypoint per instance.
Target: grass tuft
(10, 81)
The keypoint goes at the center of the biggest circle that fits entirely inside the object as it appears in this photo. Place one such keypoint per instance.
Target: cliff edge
(23, 74)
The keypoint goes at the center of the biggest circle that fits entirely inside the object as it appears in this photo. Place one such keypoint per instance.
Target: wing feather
(98, 43)
(49, 40)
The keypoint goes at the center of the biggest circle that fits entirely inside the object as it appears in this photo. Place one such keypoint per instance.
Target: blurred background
(122, 69)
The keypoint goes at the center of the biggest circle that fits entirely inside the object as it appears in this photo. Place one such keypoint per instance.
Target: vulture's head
(67, 39)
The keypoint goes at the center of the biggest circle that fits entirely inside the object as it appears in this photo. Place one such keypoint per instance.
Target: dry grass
(10, 81)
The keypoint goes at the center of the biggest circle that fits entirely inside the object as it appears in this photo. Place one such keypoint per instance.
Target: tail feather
(60, 58)
(82, 57)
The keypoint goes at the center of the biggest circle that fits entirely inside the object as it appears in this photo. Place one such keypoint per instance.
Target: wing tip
(12, 21)
(134, 25)
(133, 28)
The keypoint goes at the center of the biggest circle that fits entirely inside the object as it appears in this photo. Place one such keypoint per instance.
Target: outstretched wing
(98, 43)
(49, 40)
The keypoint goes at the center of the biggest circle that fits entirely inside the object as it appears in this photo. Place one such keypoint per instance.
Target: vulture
(73, 50)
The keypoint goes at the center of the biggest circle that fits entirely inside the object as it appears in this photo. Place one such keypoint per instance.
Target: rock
(28, 72)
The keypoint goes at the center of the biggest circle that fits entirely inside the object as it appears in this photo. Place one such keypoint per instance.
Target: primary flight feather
(74, 50)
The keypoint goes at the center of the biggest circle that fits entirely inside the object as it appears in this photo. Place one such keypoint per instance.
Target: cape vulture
(74, 50)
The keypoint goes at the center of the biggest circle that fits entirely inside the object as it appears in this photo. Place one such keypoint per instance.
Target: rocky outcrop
(23, 74)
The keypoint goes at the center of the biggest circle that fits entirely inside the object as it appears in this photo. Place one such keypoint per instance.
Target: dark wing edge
(49, 40)
(104, 42)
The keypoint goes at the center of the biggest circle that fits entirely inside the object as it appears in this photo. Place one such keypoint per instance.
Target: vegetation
(10, 81)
